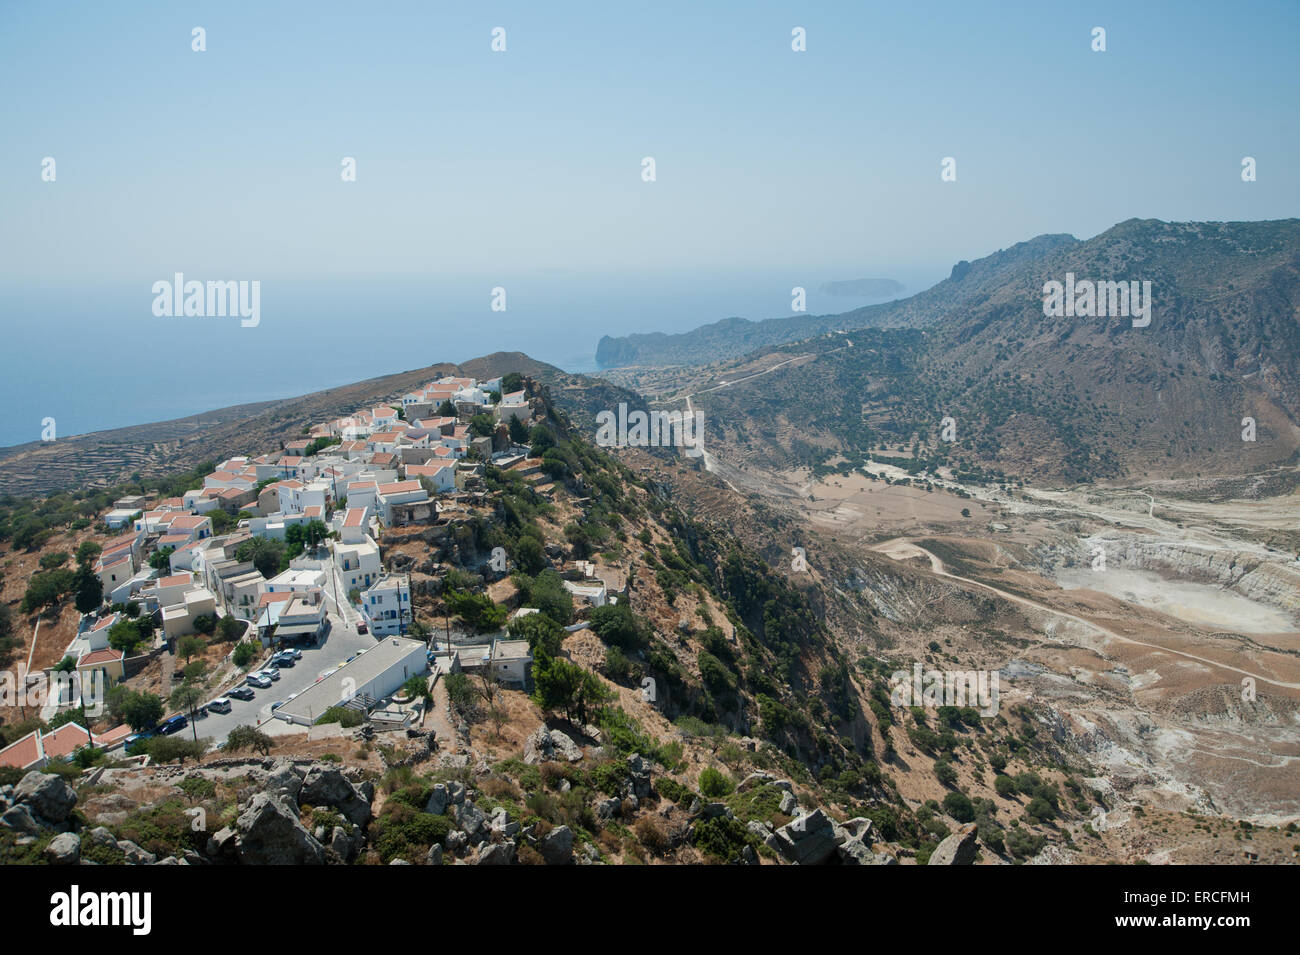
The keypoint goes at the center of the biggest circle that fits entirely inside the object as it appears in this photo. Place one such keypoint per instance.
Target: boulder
(471, 819)
(761, 830)
(282, 780)
(564, 748)
(860, 827)
(811, 839)
(856, 850)
(538, 746)
(20, 819)
(608, 808)
(270, 834)
(435, 855)
(759, 778)
(639, 771)
(47, 796)
(556, 846)
(788, 804)
(64, 849)
(137, 856)
(496, 853)
(99, 836)
(439, 799)
(342, 844)
(222, 844)
(959, 848)
(327, 786)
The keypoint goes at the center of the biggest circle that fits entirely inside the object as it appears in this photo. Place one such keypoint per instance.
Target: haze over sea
(94, 356)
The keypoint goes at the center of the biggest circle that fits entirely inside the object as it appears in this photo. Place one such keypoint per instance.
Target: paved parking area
(342, 642)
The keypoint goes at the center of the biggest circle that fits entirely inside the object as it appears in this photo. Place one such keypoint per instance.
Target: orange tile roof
(22, 753)
(108, 737)
(64, 741)
(95, 657)
(400, 487)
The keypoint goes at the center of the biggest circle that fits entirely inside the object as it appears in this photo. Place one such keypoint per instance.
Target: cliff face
(1268, 581)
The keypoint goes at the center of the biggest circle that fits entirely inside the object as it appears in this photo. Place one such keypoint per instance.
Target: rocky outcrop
(556, 847)
(269, 833)
(63, 849)
(46, 796)
(639, 777)
(327, 786)
(811, 839)
(958, 848)
(496, 853)
(545, 744)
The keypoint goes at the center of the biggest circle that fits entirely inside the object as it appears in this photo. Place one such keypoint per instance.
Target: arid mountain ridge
(1069, 398)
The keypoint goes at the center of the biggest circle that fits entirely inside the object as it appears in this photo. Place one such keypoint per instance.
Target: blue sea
(94, 356)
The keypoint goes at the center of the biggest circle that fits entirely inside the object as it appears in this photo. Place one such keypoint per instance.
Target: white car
(220, 705)
(257, 680)
(271, 673)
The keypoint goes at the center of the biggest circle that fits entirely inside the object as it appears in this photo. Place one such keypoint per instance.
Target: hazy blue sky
(226, 163)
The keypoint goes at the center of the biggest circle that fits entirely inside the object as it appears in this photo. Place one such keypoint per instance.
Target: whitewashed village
(444, 629)
(334, 492)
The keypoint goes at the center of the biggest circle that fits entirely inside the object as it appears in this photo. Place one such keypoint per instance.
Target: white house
(510, 662)
(443, 476)
(295, 579)
(358, 564)
(386, 605)
(399, 492)
(353, 525)
(591, 591)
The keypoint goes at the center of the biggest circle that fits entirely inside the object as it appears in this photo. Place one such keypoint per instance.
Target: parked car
(241, 693)
(136, 737)
(257, 680)
(173, 724)
(277, 704)
(361, 627)
(282, 660)
(292, 652)
(271, 673)
(220, 705)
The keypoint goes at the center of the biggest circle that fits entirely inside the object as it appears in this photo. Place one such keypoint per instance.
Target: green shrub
(715, 784)
(164, 830)
(959, 807)
(722, 838)
(672, 790)
(342, 715)
(402, 832)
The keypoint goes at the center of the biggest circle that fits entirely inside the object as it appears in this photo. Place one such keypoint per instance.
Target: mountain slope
(1057, 398)
(969, 284)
